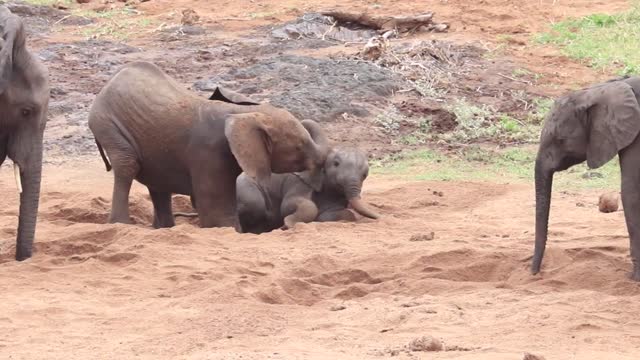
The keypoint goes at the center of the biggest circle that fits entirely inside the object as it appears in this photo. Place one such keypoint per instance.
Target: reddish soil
(367, 290)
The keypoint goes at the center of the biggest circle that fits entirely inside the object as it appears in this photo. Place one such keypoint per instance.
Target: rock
(192, 30)
(83, 1)
(592, 175)
(189, 17)
(426, 343)
(528, 356)
(423, 237)
(337, 307)
(608, 202)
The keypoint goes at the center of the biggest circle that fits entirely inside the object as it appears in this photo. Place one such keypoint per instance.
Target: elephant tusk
(16, 172)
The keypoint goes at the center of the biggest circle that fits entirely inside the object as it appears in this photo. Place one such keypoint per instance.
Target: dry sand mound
(352, 291)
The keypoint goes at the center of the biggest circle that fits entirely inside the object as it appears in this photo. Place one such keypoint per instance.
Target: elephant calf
(593, 125)
(301, 197)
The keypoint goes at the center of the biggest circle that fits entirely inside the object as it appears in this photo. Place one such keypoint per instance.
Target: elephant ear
(313, 178)
(322, 147)
(12, 40)
(250, 144)
(613, 118)
(222, 94)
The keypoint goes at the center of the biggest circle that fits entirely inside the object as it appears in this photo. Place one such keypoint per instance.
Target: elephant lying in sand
(24, 101)
(173, 141)
(296, 198)
(592, 124)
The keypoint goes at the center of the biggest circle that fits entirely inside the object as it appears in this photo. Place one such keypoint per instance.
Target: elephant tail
(104, 156)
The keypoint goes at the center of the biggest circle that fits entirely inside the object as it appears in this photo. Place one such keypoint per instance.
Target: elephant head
(24, 99)
(274, 142)
(592, 124)
(346, 168)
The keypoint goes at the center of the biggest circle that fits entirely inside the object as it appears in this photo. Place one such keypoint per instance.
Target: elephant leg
(300, 209)
(162, 213)
(337, 215)
(216, 194)
(123, 175)
(252, 209)
(630, 169)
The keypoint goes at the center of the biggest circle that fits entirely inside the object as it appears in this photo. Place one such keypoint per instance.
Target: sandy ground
(334, 290)
(345, 291)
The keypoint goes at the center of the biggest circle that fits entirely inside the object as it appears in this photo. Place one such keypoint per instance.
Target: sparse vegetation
(541, 107)
(48, 2)
(604, 41)
(481, 163)
(118, 24)
(483, 123)
(118, 30)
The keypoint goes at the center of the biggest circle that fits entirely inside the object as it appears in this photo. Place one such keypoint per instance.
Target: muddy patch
(317, 26)
(319, 89)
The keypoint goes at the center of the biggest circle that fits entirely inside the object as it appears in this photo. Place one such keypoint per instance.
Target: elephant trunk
(320, 141)
(543, 183)
(352, 190)
(30, 177)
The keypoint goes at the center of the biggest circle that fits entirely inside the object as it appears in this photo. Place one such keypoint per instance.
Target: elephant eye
(336, 163)
(26, 112)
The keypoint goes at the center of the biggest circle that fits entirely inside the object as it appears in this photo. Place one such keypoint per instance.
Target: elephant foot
(157, 224)
(120, 221)
(22, 255)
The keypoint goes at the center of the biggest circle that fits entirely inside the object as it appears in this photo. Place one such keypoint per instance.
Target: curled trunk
(361, 208)
(544, 182)
(352, 189)
(321, 142)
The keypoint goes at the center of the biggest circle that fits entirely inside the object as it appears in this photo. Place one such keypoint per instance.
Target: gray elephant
(298, 197)
(155, 131)
(24, 100)
(592, 124)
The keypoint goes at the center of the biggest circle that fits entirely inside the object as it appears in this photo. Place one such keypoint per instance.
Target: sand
(319, 291)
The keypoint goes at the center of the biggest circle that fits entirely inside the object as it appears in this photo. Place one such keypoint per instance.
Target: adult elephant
(592, 124)
(24, 100)
(173, 141)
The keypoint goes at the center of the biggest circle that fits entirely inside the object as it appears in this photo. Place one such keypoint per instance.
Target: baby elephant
(299, 197)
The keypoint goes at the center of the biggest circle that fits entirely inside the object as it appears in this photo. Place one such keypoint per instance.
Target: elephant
(149, 128)
(592, 124)
(24, 104)
(297, 198)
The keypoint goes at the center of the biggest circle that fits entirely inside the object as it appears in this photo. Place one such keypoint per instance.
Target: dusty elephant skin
(24, 99)
(592, 124)
(174, 141)
(302, 197)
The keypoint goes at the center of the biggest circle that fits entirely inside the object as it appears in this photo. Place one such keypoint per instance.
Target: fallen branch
(386, 23)
(514, 79)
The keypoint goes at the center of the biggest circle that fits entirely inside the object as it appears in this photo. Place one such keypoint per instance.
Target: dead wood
(386, 23)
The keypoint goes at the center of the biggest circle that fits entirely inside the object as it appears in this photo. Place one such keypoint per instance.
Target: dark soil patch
(39, 19)
(440, 120)
(319, 89)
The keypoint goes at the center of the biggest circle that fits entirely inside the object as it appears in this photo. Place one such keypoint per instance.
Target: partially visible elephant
(592, 124)
(297, 197)
(175, 142)
(24, 102)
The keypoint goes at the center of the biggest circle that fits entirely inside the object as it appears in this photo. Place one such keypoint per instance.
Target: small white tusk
(16, 172)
